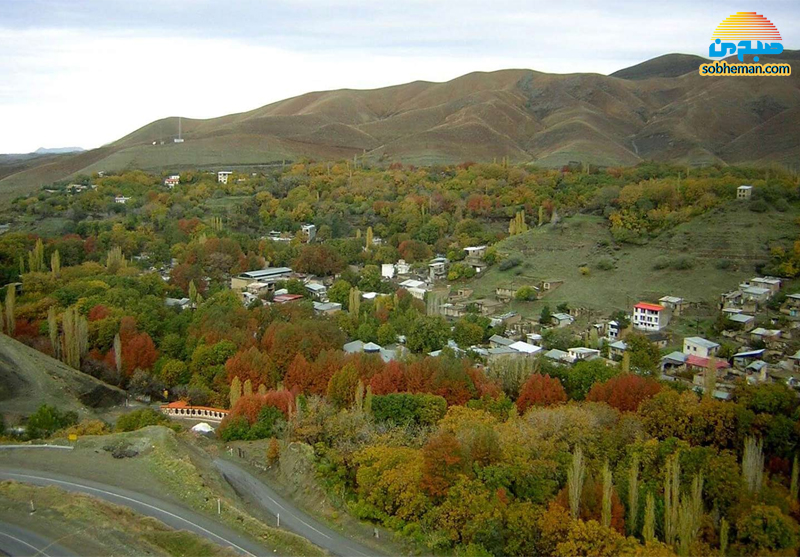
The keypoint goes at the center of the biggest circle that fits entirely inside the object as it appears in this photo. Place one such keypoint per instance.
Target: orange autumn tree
(540, 390)
(443, 462)
(138, 349)
(624, 392)
(251, 364)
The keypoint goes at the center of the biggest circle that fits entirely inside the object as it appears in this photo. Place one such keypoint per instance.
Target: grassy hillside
(29, 379)
(660, 109)
(558, 252)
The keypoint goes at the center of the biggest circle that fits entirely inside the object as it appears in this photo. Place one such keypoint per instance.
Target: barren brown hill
(660, 109)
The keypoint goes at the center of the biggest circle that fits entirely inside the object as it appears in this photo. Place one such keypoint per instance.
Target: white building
(744, 192)
(172, 181)
(309, 231)
(649, 317)
(387, 270)
(698, 346)
(121, 199)
(222, 176)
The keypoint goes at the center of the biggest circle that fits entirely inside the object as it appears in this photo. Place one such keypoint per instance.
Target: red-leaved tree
(540, 390)
(624, 392)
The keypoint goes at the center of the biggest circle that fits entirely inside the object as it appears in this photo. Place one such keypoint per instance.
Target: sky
(87, 72)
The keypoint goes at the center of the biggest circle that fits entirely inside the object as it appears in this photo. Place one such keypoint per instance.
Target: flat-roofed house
(673, 303)
(650, 317)
(698, 346)
(268, 276)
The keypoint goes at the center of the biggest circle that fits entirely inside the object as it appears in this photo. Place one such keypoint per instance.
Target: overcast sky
(86, 72)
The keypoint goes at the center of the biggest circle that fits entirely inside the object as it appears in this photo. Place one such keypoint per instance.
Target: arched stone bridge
(180, 409)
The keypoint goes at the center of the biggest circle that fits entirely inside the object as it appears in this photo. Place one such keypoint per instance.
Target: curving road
(292, 518)
(19, 542)
(172, 515)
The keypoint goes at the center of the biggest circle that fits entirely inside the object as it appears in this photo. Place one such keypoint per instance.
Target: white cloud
(74, 78)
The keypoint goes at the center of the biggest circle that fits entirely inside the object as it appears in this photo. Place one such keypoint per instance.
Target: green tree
(429, 333)
(342, 387)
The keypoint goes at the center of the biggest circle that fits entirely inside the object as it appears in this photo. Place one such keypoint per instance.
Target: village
(755, 330)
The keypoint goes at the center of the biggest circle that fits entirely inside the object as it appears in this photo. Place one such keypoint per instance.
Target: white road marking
(134, 501)
(38, 551)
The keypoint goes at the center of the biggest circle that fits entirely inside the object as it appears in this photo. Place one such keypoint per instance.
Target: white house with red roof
(650, 317)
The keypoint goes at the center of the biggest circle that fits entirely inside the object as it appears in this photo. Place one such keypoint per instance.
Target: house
(612, 330)
(747, 322)
(286, 298)
(508, 293)
(580, 353)
(673, 303)
(180, 303)
(121, 199)
(698, 363)
(765, 335)
(548, 285)
(437, 268)
(508, 318)
(525, 348)
(756, 294)
(743, 359)
(673, 362)
(771, 283)
(496, 341)
(277, 236)
(317, 291)
(659, 338)
(477, 265)
(791, 306)
(534, 338)
(562, 319)
(452, 310)
(744, 192)
(386, 354)
(222, 176)
(557, 356)
(650, 317)
(387, 270)
(172, 181)
(402, 267)
(308, 231)
(502, 353)
(268, 277)
(486, 306)
(326, 308)
(617, 349)
(698, 346)
(475, 251)
(757, 372)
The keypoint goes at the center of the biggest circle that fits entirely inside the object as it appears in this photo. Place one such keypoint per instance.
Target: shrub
(683, 263)
(759, 206)
(89, 427)
(525, 293)
(509, 263)
(584, 271)
(234, 429)
(270, 422)
(140, 418)
(605, 264)
(47, 420)
(405, 408)
(723, 264)
(781, 205)
(660, 262)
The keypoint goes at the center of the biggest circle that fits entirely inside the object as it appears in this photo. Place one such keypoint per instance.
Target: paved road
(19, 542)
(292, 518)
(168, 513)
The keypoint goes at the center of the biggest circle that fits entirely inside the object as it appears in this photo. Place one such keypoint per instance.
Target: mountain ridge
(660, 109)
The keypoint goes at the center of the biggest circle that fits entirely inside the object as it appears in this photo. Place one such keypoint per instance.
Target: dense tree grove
(517, 458)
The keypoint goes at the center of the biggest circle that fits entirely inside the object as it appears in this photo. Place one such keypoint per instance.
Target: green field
(558, 253)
